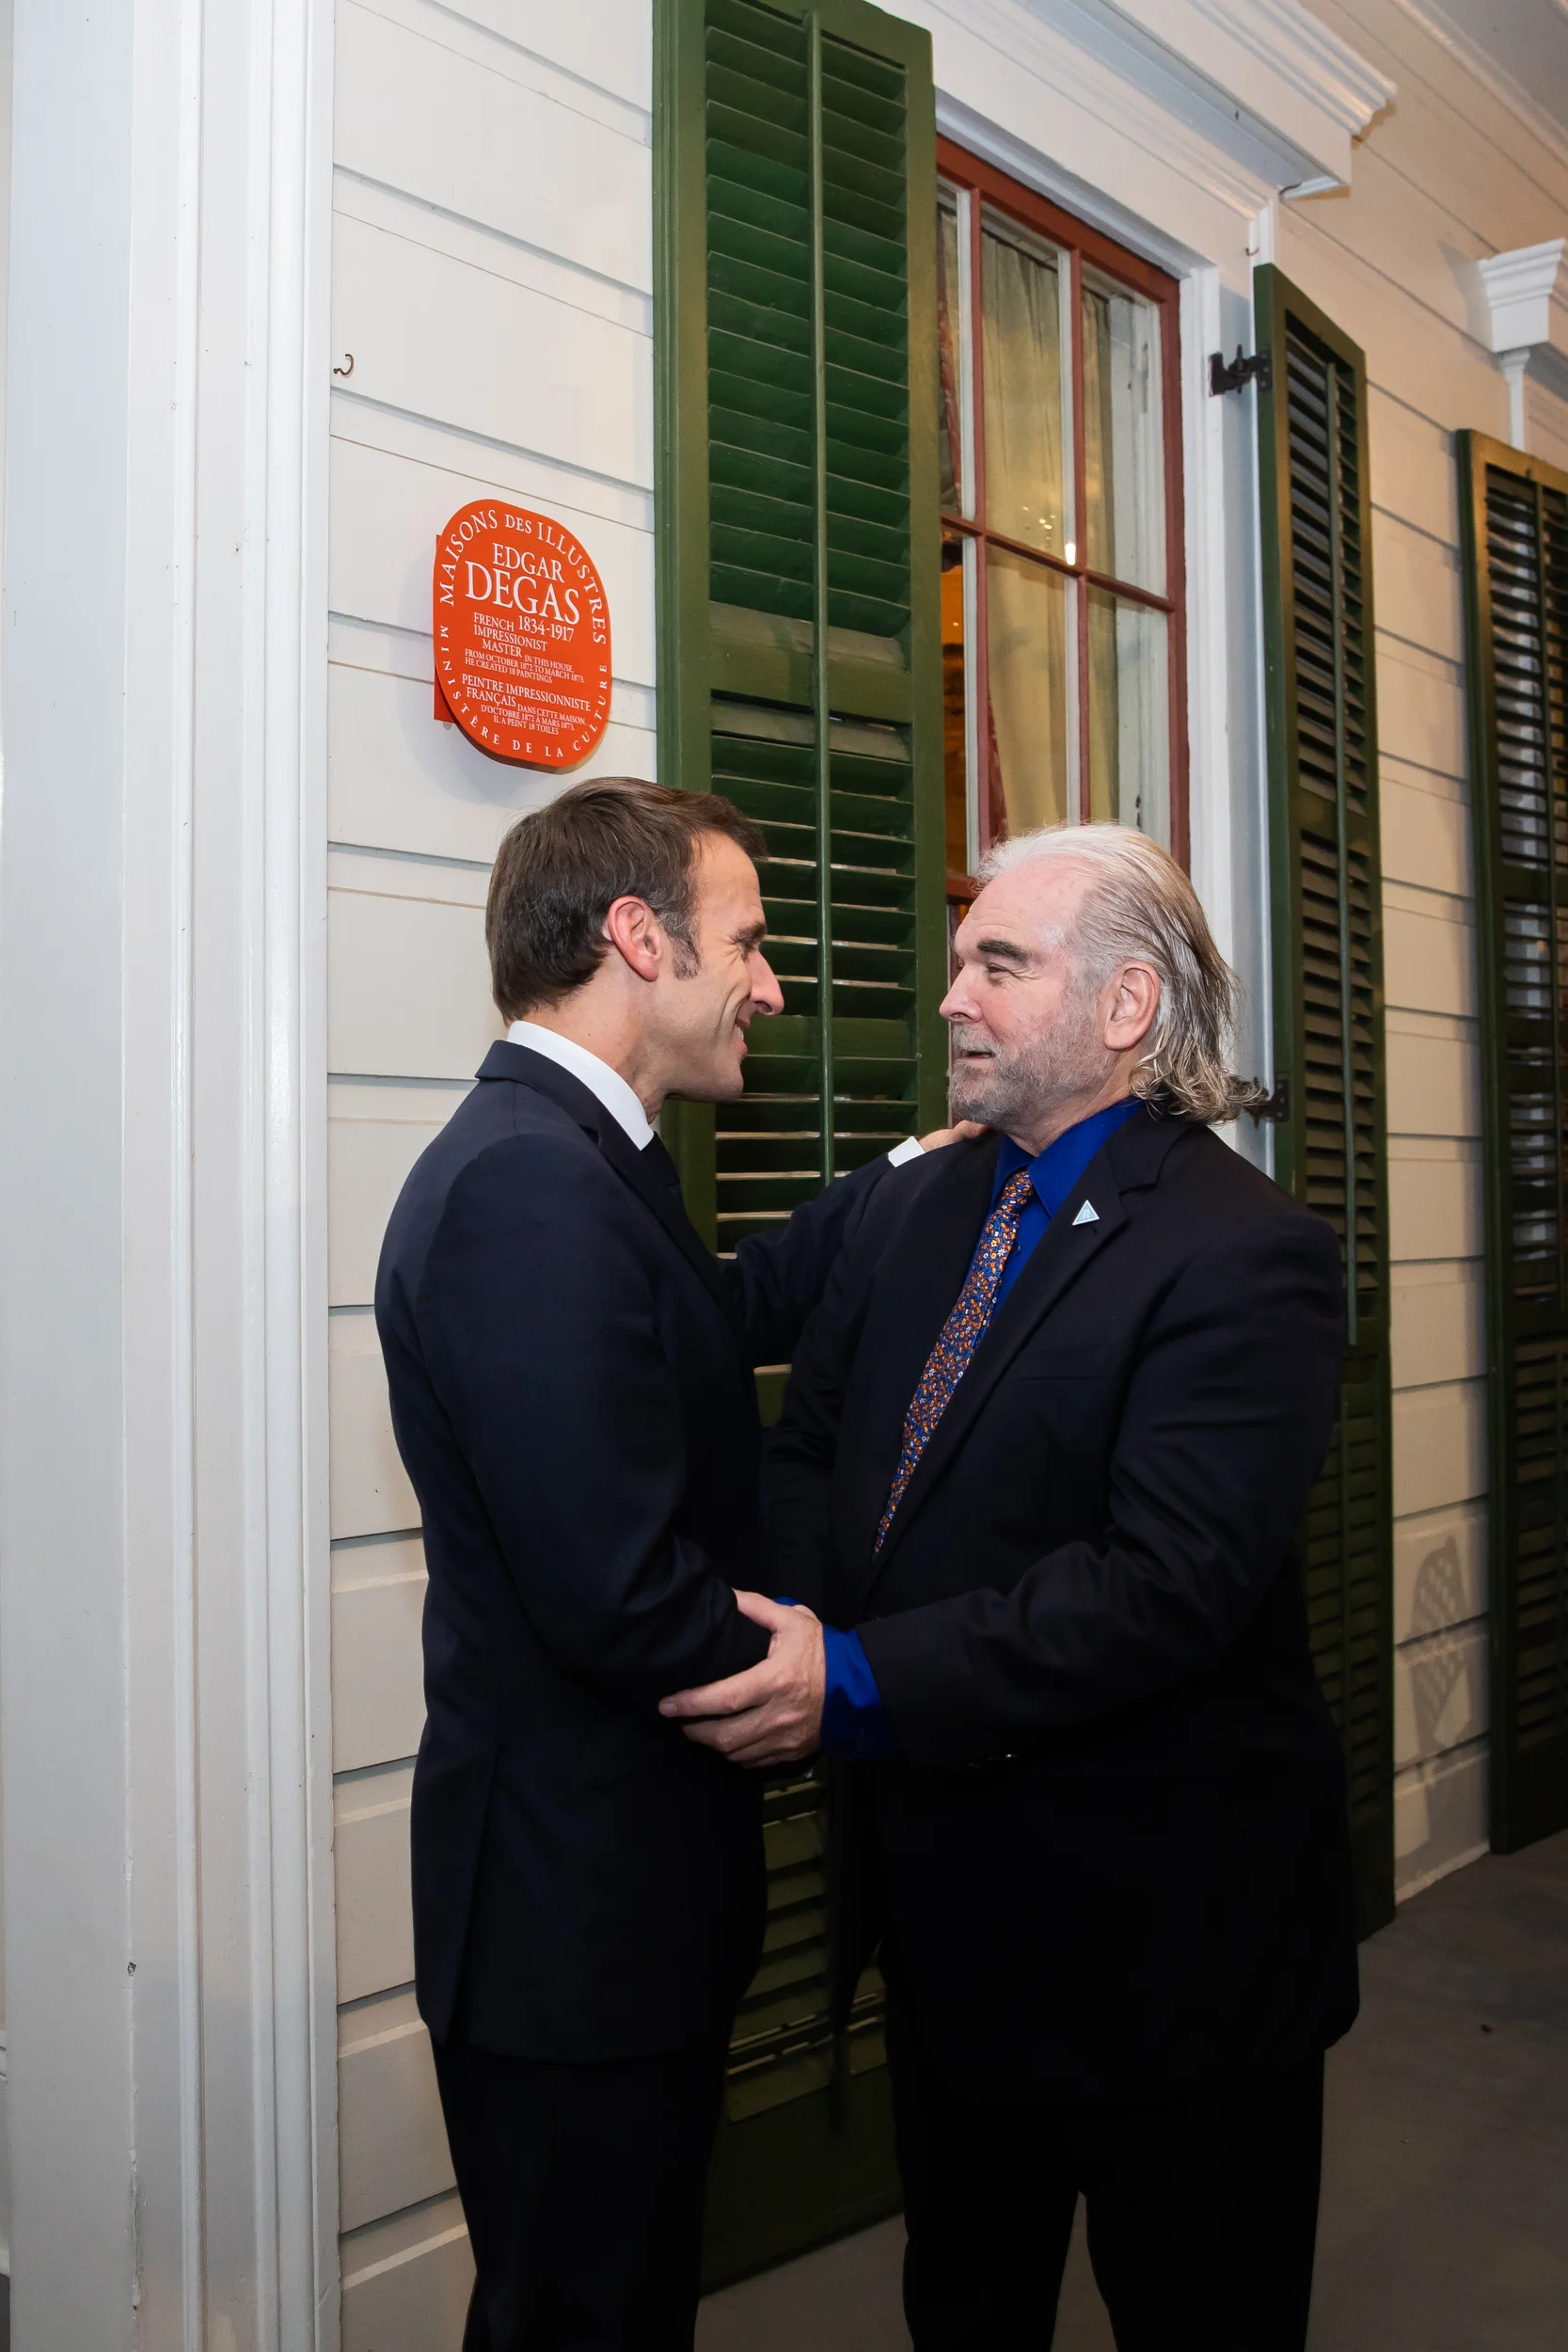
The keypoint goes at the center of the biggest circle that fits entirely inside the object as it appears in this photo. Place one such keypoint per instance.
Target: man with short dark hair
(571, 1376)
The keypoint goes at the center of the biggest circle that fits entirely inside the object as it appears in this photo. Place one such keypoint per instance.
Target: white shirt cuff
(911, 1149)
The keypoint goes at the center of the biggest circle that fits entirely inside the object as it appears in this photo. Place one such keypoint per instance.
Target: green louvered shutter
(1326, 902)
(799, 673)
(1515, 513)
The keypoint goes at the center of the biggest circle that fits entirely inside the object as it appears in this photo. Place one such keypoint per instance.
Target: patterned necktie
(961, 1335)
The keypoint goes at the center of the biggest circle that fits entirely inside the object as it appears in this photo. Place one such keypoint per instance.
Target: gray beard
(1019, 1089)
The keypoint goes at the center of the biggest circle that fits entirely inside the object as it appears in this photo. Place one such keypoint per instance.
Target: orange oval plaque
(521, 624)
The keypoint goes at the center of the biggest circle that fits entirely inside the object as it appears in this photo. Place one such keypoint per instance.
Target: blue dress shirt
(854, 1724)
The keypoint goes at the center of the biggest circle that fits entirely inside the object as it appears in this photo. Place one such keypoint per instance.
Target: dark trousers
(1202, 2213)
(582, 2187)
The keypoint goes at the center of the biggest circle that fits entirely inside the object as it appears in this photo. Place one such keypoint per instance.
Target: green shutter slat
(1514, 518)
(1331, 1150)
(797, 528)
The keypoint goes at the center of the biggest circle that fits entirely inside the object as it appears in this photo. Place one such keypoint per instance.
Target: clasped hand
(772, 1713)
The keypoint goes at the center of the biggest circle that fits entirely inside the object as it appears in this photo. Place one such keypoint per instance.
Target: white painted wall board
(604, 43)
(387, 510)
(370, 1493)
(1439, 1570)
(1413, 470)
(377, 1688)
(1441, 1693)
(368, 1160)
(408, 988)
(1417, 592)
(443, 339)
(1439, 1445)
(1439, 1318)
(1420, 707)
(1429, 953)
(376, 1924)
(517, 473)
(415, 2299)
(1440, 1816)
(399, 779)
(415, 115)
(1434, 1203)
(1426, 834)
(1413, 239)
(1433, 1084)
(392, 2143)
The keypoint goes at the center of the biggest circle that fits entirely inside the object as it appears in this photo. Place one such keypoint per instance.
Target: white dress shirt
(596, 1075)
(612, 1090)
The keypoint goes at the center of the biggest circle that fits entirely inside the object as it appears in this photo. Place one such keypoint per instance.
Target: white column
(163, 1570)
(1518, 301)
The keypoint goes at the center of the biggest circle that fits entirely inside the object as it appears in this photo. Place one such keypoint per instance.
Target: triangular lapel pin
(1087, 1215)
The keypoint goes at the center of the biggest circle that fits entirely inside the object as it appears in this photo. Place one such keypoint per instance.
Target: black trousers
(1202, 2213)
(582, 2187)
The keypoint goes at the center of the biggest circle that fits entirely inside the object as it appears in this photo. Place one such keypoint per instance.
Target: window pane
(1026, 636)
(1124, 453)
(950, 341)
(1129, 714)
(957, 603)
(1024, 406)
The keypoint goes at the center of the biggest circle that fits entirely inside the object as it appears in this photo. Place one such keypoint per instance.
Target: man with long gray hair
(1047, 1445)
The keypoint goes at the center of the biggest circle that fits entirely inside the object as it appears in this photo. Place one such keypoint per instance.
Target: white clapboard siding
(1439, 1445)
(1439, 1324)
(1428, 951)
(408, 986)
(1417, 588)
(390, 506)
(1439, 1815)
(1439, 1570)
(368, 1157)
(375, 1932)
(448, 339)
(377, 1695)
(407, 2282)
(370, 1491)
(392, 2146)
(1426, 830)
(415, 113)
(1413, 470)
(1440, 1693)
(1434, 1079)
(394, 784)
(605, 44)
(1435, 1199)
(1420, 707)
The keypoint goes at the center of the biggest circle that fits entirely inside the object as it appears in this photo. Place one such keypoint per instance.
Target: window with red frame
(1063, 655)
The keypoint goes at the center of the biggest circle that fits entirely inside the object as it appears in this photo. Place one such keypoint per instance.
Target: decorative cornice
(1519, 290)
(1284, 40)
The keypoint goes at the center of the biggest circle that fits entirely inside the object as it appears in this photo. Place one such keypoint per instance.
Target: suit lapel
(650, 1174)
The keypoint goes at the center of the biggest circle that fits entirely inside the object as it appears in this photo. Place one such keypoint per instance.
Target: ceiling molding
(1244, 98)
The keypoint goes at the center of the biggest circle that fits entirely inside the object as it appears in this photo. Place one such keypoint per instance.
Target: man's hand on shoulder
(963, 1131)
(772, 1713)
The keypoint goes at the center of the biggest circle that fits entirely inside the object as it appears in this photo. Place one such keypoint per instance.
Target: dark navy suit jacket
(1112, 1858)
(571, 1378)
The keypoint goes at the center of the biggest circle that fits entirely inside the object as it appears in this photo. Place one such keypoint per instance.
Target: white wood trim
(163, 1541)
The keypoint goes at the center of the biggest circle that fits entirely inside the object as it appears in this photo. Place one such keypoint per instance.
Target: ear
(1133, 1006)
(636, 936)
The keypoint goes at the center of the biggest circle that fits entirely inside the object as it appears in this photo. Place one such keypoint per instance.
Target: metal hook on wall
(349, 370)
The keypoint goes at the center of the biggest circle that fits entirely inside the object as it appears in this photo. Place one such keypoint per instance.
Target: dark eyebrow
(1003, 951)
(753, 936)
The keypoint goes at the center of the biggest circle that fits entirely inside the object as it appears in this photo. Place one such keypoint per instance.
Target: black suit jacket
(571, 1378)
(1113, 1855)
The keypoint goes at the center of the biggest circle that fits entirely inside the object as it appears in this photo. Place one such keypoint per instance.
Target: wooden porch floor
(1445, 2213)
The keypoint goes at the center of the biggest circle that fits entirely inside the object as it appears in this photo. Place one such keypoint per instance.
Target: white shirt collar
(596, 1075)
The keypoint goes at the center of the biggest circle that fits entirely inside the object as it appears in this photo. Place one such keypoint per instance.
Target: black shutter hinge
(1276, 1108)
(1230, 375)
